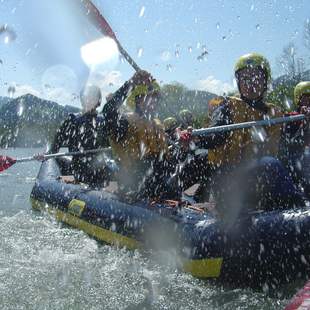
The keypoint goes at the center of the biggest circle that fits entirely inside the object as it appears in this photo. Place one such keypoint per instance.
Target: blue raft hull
(258, 250)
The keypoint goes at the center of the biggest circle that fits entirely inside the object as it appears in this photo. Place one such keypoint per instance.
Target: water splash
(169, 68)
(142, 11)
(11, 91)
(140, 52)
(20, 110)
(288, 103)
(7, 34)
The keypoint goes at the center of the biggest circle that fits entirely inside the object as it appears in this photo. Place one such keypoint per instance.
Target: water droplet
(142, 11)
(165, 56)
(177, 54)
(7, 33)
(20, 109)
(288, 103)
(218, 25)
(11, 91)
(224, 38)
(257, 26)
(169, 68)
(190, 49)
(140, 52)
(238, 17)
(252, 7)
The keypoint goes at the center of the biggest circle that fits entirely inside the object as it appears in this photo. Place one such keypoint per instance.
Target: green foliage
(176, 97)
(282, 96)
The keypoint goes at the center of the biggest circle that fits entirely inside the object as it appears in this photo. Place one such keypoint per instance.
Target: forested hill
(29, 121)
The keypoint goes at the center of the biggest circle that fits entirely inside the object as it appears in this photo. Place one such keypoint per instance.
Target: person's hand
(184, 138)
(141, 77)
(306, 111)
(39, 157)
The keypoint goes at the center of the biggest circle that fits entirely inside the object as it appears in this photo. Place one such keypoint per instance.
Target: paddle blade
(97, 19)
(6, 162)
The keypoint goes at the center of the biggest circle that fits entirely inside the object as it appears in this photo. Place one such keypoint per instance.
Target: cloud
(107, 81)
(211, 84)
(59, 95)
(21, 90)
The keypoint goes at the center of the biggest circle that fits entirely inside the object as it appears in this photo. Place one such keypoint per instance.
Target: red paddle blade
(97, 19)
(6, 162)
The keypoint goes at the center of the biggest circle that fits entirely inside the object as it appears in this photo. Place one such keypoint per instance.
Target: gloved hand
(39, 157)
(185, 138)
(306, 111)
(141, 77)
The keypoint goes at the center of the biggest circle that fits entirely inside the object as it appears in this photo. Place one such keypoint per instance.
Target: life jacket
(242, 144)
(144, 140)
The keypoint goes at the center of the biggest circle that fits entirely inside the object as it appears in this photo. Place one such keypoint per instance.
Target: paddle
(245, 125)
(102, 25)
(240, 126)
(6, 161)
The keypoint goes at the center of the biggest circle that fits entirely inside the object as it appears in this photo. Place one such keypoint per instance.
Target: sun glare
(99, 52)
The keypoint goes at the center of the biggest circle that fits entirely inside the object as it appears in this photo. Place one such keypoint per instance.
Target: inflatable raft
(259, 249)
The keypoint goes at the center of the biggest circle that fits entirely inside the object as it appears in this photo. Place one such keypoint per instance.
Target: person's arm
(110, 109)
(220, 116)
(115, 124)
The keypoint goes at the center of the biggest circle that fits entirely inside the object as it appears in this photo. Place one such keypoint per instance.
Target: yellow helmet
(170, 123)
(142, 90)
(301, 88)
(253, 60)
(186, 117)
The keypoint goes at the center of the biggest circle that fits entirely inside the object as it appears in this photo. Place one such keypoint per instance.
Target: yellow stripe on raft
(204, 268)
(97, 232)
(201, 268)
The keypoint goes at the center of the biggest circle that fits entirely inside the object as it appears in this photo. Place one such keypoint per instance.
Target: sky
(166, 38)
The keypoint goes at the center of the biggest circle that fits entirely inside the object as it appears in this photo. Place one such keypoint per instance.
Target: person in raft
(245, 173)
(138, 140)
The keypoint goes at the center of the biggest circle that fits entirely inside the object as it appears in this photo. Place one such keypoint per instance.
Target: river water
(45, 265)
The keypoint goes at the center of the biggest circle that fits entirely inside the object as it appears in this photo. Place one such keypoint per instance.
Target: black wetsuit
(195, 168)
(292, 153)
(79, 133)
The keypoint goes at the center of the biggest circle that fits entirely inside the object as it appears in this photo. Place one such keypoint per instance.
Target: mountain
(4, 100)
(291, 81)
(29, 121)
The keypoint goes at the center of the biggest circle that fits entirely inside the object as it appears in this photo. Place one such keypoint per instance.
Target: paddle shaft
(238, 126)
(56, 155)
(103, 26)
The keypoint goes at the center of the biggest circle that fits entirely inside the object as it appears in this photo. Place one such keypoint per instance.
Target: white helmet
(90, 98)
